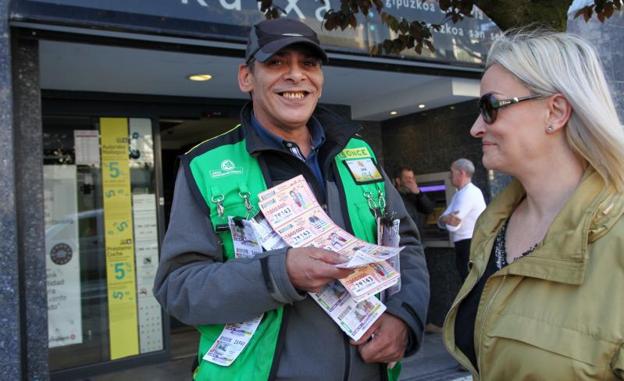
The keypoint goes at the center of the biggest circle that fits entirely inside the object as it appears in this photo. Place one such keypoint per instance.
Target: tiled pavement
(431, 363)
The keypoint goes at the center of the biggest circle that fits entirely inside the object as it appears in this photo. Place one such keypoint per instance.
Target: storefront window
(101, 239)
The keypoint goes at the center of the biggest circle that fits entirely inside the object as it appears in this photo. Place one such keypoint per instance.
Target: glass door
(101, 239)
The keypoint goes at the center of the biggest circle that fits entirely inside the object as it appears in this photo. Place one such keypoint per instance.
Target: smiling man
(203, 282)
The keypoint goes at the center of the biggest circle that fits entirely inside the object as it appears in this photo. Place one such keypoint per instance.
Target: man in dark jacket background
(417, 204)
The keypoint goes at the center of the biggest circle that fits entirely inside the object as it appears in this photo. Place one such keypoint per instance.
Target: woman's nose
(478, 128)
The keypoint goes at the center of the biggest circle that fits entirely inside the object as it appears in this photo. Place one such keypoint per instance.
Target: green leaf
(353, 5)
(353, 21)
(430, 46)
(465, 8)
(608, 12)
(379, 5)
(404, 26)
(387, 45)
(364, 6)
(330, 21)
(394, 24)
(416, 31)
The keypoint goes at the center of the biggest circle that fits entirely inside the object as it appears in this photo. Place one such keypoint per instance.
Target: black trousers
(462, 256)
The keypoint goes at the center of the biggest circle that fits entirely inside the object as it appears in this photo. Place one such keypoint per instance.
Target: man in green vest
(283, 133)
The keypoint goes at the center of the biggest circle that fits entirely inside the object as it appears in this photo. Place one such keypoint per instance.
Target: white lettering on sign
(320, 12)
(200, 2)
(455, 31)
(421, 5)
(235, 5)
(476, 34)
(292, 5)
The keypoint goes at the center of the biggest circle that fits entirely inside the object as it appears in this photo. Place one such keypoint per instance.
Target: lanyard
(376, 202)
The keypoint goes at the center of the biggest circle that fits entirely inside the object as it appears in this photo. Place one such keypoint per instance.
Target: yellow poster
(120, 269)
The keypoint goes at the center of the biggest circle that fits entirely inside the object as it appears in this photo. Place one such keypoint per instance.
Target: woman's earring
(549, 129)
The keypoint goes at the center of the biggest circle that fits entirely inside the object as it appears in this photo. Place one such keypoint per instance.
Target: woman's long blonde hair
(550, 63)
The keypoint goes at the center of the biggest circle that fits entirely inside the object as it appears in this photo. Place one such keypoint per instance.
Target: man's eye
(311, 63)
(274, 62)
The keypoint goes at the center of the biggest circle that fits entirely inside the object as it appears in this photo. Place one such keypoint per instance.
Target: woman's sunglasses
(489, 105)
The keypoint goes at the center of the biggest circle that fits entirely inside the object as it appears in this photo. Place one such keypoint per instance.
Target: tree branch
(416, 34)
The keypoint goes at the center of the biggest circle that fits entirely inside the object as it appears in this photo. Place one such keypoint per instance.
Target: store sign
(146, 246)
(466, 41)
(145, 234)
(62, 255)
(119, 238)
(202, 10)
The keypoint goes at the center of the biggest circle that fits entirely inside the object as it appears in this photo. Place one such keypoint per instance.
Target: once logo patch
(354, 153)
(227, 167)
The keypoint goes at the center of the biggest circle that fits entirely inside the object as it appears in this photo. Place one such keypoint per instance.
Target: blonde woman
(544, 298)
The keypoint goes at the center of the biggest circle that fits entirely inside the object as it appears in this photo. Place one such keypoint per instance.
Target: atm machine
(437, 186)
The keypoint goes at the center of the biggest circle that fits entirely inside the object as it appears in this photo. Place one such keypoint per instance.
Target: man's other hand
(451, 219)
(310, 269)
(385, 341)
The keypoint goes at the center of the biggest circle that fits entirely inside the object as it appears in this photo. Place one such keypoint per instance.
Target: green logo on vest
(227, 168)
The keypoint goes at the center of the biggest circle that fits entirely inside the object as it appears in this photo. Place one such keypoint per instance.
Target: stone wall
(372, 134)
(10, 334)
(607, 39)
(429, 142)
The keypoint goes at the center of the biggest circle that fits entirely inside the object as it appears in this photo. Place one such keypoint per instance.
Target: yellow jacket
(558, 313)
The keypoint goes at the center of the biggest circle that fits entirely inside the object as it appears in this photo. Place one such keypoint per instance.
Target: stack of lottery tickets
(294, 214)
(354, 318)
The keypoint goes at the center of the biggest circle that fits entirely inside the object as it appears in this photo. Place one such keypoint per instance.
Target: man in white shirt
(462, 212)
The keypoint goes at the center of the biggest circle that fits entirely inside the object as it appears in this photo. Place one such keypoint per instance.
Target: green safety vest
(228, 173)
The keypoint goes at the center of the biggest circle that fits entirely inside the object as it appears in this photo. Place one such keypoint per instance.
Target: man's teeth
(293, 95)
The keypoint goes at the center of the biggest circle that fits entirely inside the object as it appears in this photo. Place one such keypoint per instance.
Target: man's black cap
(270, 36)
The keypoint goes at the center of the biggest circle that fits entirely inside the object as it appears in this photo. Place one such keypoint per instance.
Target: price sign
(120, 255)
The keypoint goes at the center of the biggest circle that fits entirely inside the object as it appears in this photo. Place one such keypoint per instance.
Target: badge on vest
(226, 168)
(363, 171)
